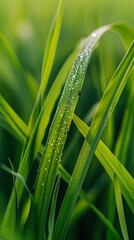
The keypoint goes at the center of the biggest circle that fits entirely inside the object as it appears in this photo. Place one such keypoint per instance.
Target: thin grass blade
(48, 59)
(53, 209)
(13, 119)
(120, 210)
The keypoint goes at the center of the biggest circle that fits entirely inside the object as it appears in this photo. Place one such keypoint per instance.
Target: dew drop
(93, 34)
(42, 184)
(45, 169)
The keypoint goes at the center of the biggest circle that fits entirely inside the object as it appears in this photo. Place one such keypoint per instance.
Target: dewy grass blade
(25, 165)
(60, 126)
(65, 175)
(106, 107)
(39, 129)
(120, 210)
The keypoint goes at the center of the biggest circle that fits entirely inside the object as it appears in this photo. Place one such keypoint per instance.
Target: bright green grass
(34, 214)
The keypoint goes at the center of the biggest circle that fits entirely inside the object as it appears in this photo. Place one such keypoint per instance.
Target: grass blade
(5, 125)
(126, 31)
(120, 210)
(52, 210)
(66, 176)
(47, 64)
(13, 119)
(111, 165)
(121, 146)
(51, 47)
(60, 126)
(106, 107)
(25, 164)
(38, 132)
(85, 197)
(76, 136)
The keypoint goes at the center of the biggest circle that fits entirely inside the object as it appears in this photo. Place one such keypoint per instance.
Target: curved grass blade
(5, 125)
(20, 178)
(120, 210)
(106, 107)
(60, 126)
(13, 119)
(126, 31)
(111, 165)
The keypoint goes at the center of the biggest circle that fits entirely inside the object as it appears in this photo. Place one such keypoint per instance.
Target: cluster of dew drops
(72, 88)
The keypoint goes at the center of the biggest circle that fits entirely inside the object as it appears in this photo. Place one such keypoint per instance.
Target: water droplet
(42, 184)
(45, 169)
(93, 34)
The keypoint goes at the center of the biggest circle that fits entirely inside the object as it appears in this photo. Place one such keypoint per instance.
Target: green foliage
(37, 214)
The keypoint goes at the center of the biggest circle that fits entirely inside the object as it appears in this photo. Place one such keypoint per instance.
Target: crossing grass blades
(33, 213)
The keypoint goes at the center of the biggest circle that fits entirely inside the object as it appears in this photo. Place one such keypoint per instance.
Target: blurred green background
(26, 23)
